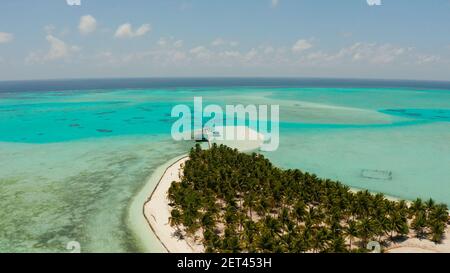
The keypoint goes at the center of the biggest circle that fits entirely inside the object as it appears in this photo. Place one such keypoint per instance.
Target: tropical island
(226, 201)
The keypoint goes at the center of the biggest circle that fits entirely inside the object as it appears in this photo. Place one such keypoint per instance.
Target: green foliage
(242, 203)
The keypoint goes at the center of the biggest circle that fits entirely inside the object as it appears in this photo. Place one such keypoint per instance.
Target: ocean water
(75, 154)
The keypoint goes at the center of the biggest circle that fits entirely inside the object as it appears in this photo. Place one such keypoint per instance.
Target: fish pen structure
(376, 174)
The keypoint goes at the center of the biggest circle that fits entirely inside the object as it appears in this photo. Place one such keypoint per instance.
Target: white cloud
(198, 50)
(374, 53)
(126, 31)
(87, 25)
(178, 44)
(178, 56)
(170, 42)
(58, 50)
(234, 43)
(275, 3)
(251, 54)
(6, 37)
(168, 57)
(268, 50)
(360, 52)
(142, 30)
(231, 54)
(202, 53)
(301, 45)
(49, 29)
(319, 56)
(426, 59)
(346, 34)
(162, 42)
(160, 57)
(106, 56)
(218, 42)
(222, 42)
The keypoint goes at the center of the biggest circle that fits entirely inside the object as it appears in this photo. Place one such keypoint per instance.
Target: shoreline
(156, 211)
(147, 240)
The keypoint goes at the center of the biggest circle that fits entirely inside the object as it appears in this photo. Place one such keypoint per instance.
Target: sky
(398, 39)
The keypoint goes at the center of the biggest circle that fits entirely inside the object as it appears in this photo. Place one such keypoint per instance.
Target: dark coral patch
(105, 113)
(104, 131)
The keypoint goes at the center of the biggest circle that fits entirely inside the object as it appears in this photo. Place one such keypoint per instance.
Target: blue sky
(405, 39)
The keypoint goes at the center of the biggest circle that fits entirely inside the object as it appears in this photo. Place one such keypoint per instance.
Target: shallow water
(52, 194)
(71, 161)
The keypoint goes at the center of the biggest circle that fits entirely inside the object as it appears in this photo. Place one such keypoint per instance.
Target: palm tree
(352, 232)
(284, 217)
(439, 213)
(399, 224)
(249, 202)
(365, 230)
(231, 241)
(298, 245)
(416, 207)
(266, 242)
(430, 204)
(249, 235)
(208, 220)
(299, 211)
(211, 240)
(320, 241)
(273, 225)
(262, 207)
(175, 218)
(419, 223)
(437, 231)
(337, 245)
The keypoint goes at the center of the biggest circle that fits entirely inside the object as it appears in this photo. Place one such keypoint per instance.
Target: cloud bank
(6, 37)
(125, 31)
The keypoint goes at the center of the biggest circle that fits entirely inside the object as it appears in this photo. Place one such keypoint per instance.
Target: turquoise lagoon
(72, 160)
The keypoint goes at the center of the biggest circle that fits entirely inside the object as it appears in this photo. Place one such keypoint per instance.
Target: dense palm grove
(242, 203)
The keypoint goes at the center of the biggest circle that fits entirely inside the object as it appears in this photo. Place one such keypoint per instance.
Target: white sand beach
(242, 138)
(415, 245)
(157, 213)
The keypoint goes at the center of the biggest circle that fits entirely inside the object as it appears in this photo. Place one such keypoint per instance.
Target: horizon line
(228, 77)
